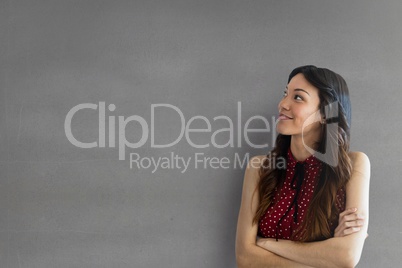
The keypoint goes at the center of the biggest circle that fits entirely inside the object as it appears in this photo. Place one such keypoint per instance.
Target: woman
(312, 211)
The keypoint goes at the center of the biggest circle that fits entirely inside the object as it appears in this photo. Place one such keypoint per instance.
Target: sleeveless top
(287, 212)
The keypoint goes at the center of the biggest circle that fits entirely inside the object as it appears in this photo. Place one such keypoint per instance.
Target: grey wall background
(62, 206)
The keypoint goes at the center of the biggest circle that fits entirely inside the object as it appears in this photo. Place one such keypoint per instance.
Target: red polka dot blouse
(286, 213)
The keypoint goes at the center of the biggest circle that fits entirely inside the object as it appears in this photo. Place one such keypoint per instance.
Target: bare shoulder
(360, 162)
(256, 161)
(359, 158)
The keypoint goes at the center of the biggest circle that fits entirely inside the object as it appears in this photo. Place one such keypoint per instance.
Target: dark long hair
(335, 107)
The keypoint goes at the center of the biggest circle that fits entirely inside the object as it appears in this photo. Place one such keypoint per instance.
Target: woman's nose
(283, 104)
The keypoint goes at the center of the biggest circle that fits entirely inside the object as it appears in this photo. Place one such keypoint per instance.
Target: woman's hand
(349, 222)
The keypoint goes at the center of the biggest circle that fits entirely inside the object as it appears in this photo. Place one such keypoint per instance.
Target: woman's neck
(298, 149)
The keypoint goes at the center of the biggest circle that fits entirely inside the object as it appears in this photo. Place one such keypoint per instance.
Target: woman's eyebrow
(299, 89)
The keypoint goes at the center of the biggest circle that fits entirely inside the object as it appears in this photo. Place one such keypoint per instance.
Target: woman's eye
(298, 97)
(285, 93)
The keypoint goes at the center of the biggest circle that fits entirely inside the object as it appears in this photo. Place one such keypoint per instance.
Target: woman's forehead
(300, 82)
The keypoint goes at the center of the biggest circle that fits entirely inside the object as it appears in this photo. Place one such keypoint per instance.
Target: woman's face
(299, 109)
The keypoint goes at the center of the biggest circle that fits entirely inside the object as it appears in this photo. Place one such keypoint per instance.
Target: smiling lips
(284, 117)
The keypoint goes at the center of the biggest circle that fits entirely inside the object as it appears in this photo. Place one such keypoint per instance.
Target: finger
(346, 218)
(353, 217)
(347, 211)
(348, 227)
(351, 230)
(359, 223)
(346, 231)
(356, 223)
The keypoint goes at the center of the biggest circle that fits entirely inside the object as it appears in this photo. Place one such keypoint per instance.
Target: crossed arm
(344, 250)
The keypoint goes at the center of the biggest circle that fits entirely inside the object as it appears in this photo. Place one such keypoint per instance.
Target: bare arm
(338, 251)
(248, 254)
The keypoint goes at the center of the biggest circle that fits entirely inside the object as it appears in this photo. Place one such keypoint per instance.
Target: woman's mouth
(284, 117)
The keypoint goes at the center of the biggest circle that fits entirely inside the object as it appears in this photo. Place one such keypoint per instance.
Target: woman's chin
(282, 130)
